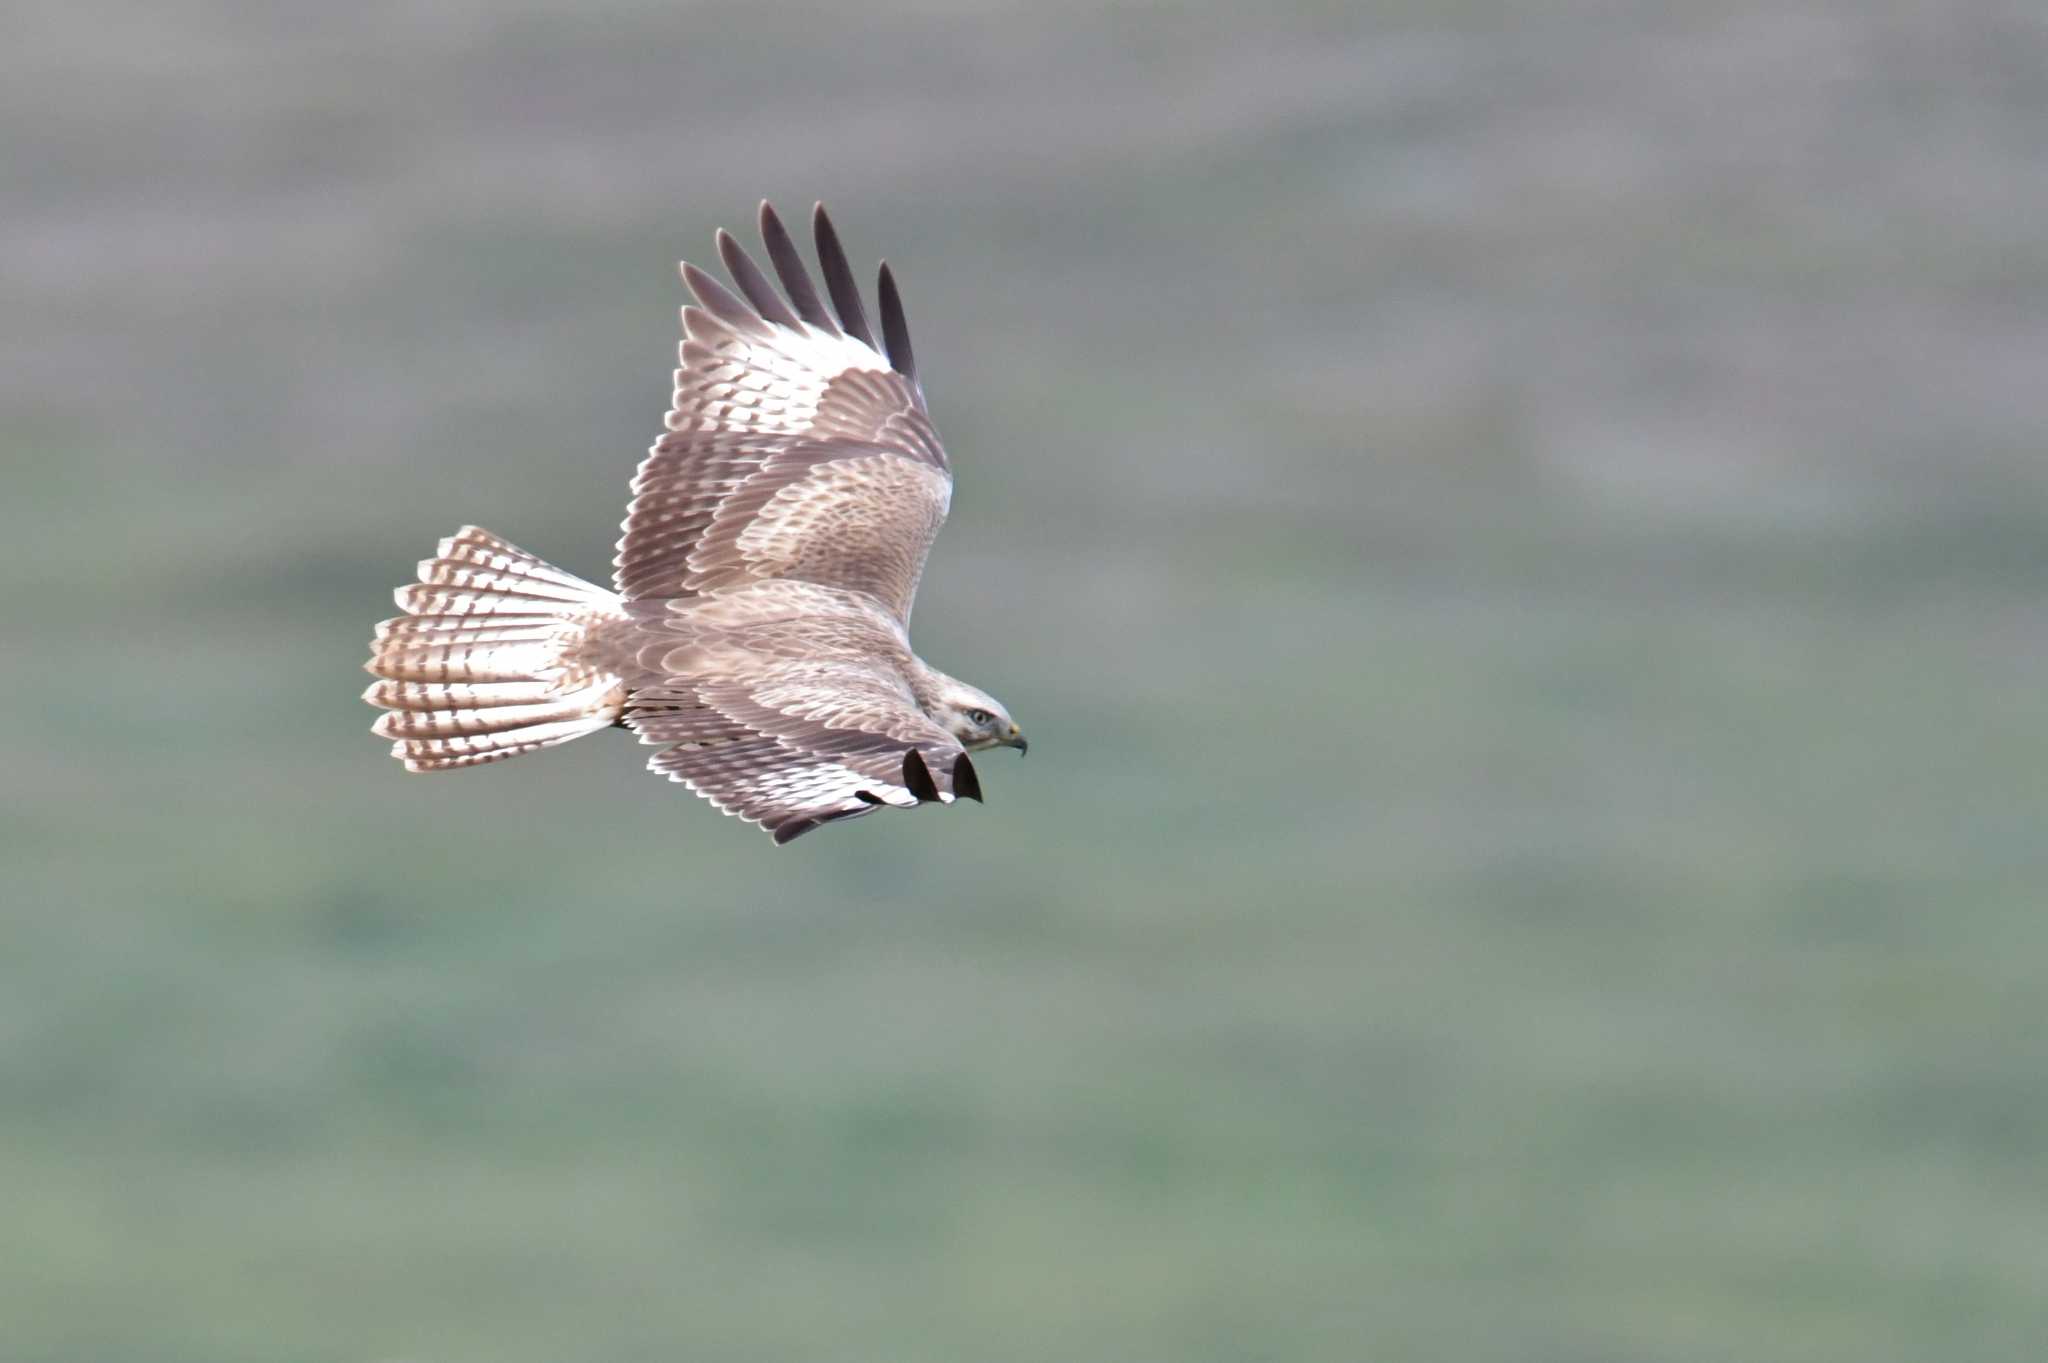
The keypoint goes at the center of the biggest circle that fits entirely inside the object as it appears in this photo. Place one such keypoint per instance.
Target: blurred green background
(1519, 536)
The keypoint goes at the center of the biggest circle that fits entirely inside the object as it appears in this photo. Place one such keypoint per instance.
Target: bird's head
(976, 718)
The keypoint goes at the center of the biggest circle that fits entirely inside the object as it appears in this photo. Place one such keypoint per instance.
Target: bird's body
(760, 628)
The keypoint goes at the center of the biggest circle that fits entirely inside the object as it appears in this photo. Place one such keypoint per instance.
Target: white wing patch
(770, 384)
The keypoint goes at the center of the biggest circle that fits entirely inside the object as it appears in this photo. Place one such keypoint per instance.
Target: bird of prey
(758, 632)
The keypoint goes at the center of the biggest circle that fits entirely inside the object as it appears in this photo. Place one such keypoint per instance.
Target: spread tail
(482, 666)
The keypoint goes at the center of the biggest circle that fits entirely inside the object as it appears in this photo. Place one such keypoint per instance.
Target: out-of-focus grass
(1517, 543)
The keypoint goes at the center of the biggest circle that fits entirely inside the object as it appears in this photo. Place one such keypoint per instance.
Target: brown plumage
(759, 630)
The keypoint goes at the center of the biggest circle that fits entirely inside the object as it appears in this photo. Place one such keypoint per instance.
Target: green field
(1519, 538)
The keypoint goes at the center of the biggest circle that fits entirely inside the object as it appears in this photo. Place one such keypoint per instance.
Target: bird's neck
(927, 684)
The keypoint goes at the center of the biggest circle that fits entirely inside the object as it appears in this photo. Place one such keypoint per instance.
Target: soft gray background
(1519, 535)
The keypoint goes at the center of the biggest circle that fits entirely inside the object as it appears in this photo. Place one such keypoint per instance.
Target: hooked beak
(1018, 741)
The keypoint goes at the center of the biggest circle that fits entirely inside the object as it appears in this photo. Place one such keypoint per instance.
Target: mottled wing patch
(857, 518)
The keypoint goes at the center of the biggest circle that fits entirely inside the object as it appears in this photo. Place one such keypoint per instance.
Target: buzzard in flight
(758, 633)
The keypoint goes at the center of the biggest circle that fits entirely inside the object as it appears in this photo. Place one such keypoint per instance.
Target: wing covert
(801, 744)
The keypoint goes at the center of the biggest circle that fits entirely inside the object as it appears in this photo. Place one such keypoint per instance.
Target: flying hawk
(758, 633)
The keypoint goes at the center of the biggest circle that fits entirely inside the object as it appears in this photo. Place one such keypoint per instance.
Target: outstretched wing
(795, 447)
(800, 744)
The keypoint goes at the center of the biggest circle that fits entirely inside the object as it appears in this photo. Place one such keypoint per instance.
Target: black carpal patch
(917, 777)
(965, 782)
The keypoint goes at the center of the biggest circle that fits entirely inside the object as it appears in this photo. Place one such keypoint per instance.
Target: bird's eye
(977, 717)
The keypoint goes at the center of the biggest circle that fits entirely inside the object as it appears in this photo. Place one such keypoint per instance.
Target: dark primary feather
(719, 300)
(767, 305)
(793, 829)
(895, 327)
(752, 283)
(839, 279)
(789, 268)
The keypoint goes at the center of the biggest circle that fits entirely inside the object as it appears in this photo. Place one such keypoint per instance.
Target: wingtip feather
(839, 280)
(789, 268)
(747, 275)
(718, 299)
(895, 325)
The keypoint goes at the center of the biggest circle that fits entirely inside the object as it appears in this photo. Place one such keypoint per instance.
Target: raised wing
(795, 448)
(801, 744)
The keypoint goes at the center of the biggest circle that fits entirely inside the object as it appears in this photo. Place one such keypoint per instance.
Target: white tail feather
(483, 664)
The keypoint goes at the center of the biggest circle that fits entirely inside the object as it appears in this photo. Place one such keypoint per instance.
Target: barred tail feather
(483, 664)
